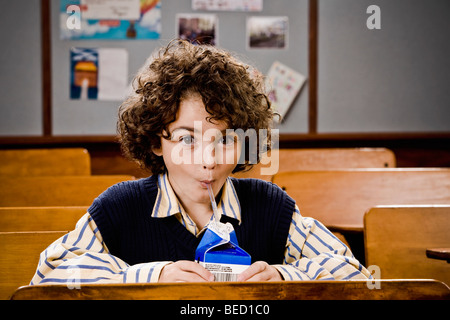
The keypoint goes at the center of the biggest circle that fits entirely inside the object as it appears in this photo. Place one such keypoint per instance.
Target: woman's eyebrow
(190, 129)
(223, 132)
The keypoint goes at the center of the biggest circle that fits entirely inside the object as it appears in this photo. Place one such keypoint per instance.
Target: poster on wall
(267, 32)
(283, 85)
(197, 28)
(228, 5)
(98, 74)
(110, 19)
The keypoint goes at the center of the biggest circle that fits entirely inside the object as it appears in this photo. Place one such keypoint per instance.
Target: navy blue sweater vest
(123, 216)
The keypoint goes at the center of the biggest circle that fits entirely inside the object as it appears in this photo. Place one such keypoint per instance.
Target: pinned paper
(111, 9)
(99, 74)
(283, 85)
(110, 19)
(227, 5)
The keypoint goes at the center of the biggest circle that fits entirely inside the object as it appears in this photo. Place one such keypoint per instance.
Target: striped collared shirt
(167, 204)
(81, 256)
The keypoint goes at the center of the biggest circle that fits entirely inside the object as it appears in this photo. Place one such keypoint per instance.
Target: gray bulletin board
(95, 117)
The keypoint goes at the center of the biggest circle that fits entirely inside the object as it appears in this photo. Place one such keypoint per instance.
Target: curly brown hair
(231, 91)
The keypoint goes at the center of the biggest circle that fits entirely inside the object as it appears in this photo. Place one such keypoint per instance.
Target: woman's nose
(209, 157)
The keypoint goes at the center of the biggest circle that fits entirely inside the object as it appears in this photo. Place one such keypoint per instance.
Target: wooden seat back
(397, 237)
(238, 291)
(45, 162)
(322, 159)
(55, 191)
(339, 198)
(14, 219)
(20, 256)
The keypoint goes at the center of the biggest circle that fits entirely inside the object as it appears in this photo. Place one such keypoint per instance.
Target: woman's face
(198, 153)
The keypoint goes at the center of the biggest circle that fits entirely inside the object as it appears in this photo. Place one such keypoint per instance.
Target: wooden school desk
(340, 198)
(280, 290)
(396, 239)
(45, 162)
(55, 190)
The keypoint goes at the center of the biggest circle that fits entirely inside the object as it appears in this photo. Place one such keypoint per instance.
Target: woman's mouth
(205, 183)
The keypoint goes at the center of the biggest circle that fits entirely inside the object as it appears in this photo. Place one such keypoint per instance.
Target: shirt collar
(167, 203)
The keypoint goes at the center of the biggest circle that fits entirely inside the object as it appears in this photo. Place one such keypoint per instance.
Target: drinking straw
(213, 203)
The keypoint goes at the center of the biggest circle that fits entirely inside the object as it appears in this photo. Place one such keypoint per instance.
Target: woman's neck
(200, 213)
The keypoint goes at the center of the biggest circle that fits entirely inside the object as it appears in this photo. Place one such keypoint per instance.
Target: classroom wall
(394, 79)
(20, 73)
(371, 81)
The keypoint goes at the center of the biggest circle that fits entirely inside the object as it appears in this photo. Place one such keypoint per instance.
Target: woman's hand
(260, 271)
(185, 271)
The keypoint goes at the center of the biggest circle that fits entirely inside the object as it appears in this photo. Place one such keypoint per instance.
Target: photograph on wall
(267, 32)
(110, 19)
(283, 85)
(228, 5)
(197, 28)
(98, 74)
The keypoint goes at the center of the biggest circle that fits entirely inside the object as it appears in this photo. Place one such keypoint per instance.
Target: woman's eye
(228, 140)
(187, 140)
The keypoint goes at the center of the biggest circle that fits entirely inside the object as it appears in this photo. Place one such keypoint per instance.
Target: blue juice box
(219, 252)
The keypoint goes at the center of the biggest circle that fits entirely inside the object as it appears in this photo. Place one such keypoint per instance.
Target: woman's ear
(157, 151)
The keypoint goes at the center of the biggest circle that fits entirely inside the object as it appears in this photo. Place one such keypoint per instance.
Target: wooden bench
(13, 219)
(55, 191)
(340, 198)
(240, 291)
(396, 239)
(323, 159)
(20, 256)
(45, 162)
